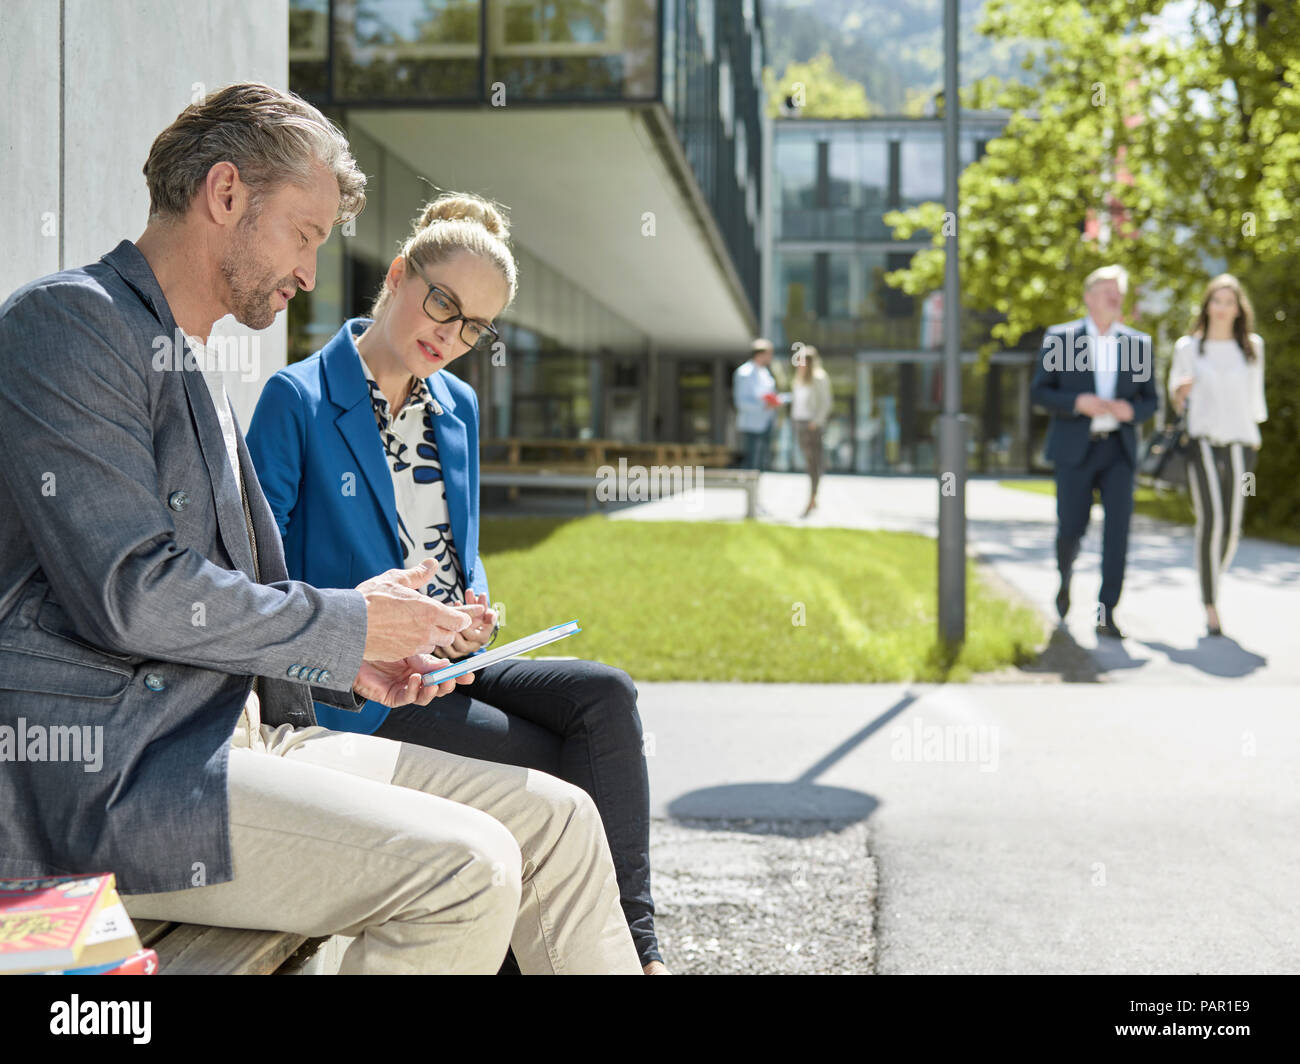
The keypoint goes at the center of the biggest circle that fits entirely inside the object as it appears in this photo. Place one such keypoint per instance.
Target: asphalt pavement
(1140, 822)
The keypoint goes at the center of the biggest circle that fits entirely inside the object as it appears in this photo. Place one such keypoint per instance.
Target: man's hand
(402, 620)
(399, 683)
(477, 634)
(1120, 409)
(1090, 405)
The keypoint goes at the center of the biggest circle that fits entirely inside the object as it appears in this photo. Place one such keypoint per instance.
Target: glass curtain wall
(560, 345)
(834, 182)
(462, 51)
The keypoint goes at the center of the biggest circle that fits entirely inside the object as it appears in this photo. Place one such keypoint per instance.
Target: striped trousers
(1216, 477)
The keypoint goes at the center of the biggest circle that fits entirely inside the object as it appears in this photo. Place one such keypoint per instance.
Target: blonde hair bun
(468, 207)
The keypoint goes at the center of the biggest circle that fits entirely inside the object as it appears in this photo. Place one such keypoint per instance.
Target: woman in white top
(1217, 376)
(810, 408)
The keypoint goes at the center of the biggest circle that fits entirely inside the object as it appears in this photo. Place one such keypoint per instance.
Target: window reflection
(920, 178)
(406, 49)
(574, 49)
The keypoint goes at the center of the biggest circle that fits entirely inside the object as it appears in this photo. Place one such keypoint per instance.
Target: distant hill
(893, 47)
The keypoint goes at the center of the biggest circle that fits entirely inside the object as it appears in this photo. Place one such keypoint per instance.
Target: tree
(818, 89)
(1172, 148)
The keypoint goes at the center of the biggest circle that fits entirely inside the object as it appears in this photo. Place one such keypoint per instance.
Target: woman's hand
(479, 632)
(1181, 393)
(400, 683)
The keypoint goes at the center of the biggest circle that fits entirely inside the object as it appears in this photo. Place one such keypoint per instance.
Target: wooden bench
(746, 479)
(191, 949)
(575, 465)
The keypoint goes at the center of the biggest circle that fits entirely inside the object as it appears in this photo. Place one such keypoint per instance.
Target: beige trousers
(431, 861)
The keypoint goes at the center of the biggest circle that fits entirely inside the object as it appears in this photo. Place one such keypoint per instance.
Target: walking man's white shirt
(1105, 370)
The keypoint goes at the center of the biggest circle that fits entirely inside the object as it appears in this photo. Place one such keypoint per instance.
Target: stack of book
(69, 925)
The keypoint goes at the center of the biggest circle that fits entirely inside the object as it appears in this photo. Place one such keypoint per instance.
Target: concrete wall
(88, 84)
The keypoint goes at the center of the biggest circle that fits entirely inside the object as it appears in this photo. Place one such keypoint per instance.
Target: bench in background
(574, 465)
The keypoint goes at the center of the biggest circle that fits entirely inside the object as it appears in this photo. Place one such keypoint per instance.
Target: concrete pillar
(88, 86)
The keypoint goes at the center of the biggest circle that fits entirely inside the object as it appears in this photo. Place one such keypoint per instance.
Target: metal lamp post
(952, 424)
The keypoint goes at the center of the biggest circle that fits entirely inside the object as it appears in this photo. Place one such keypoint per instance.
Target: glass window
(587, 49)
(796, 170)
(308, 46)
(406, 49)
(840, 303)
(726, 95)
(555, 22)
(794, 286)
(920, 168)
(704, 21)
(858, 169)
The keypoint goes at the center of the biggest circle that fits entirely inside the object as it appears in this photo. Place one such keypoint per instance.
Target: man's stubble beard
(250, 300)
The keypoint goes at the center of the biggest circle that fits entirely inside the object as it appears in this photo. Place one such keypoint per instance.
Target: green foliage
(894, 48)
(1184, 131)
(825, 92)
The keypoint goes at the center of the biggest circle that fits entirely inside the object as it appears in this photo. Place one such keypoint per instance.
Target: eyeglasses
(476, 335)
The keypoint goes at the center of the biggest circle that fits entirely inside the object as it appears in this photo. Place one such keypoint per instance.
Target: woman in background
(1217, 377)
(368, 454)
(810, 408)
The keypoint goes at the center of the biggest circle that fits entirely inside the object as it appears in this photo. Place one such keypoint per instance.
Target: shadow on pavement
(800, 799)
(1112, 655)
(1215, 656)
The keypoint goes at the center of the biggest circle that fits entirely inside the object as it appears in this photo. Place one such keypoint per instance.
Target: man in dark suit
(1096, 378)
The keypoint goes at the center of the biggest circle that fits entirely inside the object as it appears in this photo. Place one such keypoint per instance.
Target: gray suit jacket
(128, 606)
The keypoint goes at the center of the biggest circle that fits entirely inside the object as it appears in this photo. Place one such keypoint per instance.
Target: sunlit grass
(744, 601)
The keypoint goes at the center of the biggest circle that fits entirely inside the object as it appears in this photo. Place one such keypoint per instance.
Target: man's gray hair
(273, 138)
(1108, 273)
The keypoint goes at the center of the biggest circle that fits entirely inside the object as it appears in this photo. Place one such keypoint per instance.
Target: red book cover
(44, 922)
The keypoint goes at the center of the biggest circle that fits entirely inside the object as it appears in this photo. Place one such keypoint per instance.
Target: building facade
(832, 183)
(625, 138)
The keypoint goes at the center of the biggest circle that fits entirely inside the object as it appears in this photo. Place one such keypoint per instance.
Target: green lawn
(717, 601)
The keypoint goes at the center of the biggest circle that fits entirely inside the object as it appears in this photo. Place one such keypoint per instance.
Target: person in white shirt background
(753, 389)
(1217, 377)
(810, 408)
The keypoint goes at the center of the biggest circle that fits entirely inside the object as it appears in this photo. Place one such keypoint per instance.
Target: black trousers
(1216, 478)
(1106, 468)
(573, 719)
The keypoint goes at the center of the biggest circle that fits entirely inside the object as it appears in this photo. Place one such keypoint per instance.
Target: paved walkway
(1014, 531)
(1144, 826)
(1013, 828)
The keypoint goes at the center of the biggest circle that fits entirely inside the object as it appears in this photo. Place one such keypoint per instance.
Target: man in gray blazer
(157, 666)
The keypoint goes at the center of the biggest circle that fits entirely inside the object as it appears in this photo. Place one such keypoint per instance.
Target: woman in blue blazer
(368, 455)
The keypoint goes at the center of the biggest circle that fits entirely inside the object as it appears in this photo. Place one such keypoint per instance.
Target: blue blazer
(1057, 381)
(321, 463)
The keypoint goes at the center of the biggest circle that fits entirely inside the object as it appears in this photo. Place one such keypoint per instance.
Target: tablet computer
(475, 662)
